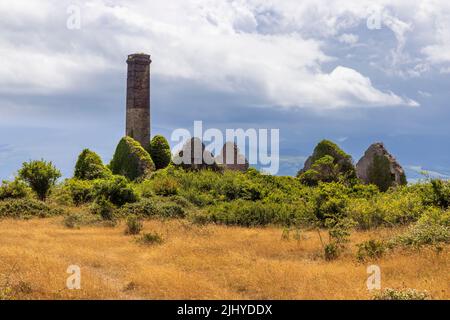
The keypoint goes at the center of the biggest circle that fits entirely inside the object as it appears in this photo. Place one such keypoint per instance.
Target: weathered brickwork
(138, 98)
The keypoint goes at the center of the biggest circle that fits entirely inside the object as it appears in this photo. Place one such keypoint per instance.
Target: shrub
(171, 210)
(90, 166)
(234, 185)
(197, 198)
(330, 200)
(199, 217)
(331, 251)
(181, 201)
(436, 216)
(396, 207)
(131, 160)
(143, 208)
(60, 195)
(151, 238)
(134, 225)
(15, 189)
(322, 170)
(104, 209)
(159, 150)
(405, 294)
(81, 191)
(252, 214)
(116, 190)
(75, 220)
(440, 195)
(27, 208)
(424, 233)
(372, 249)
(40, 175)
(165, 186)
(338, 234)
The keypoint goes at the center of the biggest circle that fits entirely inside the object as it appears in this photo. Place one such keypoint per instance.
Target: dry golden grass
(210, 262)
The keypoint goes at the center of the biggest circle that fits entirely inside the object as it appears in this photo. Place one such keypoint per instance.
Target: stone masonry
(231, 158)
(138, 98)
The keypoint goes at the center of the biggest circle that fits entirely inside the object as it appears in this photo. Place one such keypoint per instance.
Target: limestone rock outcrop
(379, 167)
(230, 158)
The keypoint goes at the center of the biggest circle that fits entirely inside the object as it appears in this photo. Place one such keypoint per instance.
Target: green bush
(40, 176)
(151, 238)
(134, 225)
(396, 207)
(402, 294)
(424, 233)
(105, 209)
(27, 208)
(235, 186)
(252, 214)
(117, 190)
(372, 249)
(330, 201)
(165, 186)
(81, 191)
(61, 195)
(75, 220)
(331, 251)
(181, 201)
(159, 150)
(131, 160)
(171, 210)
(90, 166)
(199, 217)
(328, 163)
(322, 170)
(15, 189)
(199, 199)
(440, 193)
(143, 208)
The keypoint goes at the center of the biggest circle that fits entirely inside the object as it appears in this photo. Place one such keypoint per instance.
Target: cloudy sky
(352, 71)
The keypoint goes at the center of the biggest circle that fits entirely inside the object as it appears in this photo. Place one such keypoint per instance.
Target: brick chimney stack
(138, 98)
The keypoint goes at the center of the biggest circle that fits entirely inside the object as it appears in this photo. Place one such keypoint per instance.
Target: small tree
(332, 164)
(89, 166)
(324, 169)
(40, 176)
(159, 150)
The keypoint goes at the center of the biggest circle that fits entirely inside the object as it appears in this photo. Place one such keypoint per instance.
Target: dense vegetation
(336, 203)
(328, 163)
(90, 166)
(131, 160)
(159, 150)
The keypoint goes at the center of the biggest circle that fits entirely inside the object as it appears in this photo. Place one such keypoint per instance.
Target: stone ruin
(194, 156)
(379, 167)
(230, 158)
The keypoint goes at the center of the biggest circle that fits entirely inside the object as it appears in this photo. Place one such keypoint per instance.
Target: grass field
(200, 262)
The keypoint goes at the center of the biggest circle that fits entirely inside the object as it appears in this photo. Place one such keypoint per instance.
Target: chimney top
(139, 57)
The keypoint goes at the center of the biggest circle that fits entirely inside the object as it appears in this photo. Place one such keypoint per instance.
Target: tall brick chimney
(138, 98)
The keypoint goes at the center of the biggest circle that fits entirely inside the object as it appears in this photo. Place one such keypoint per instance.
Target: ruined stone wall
(138, 98)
